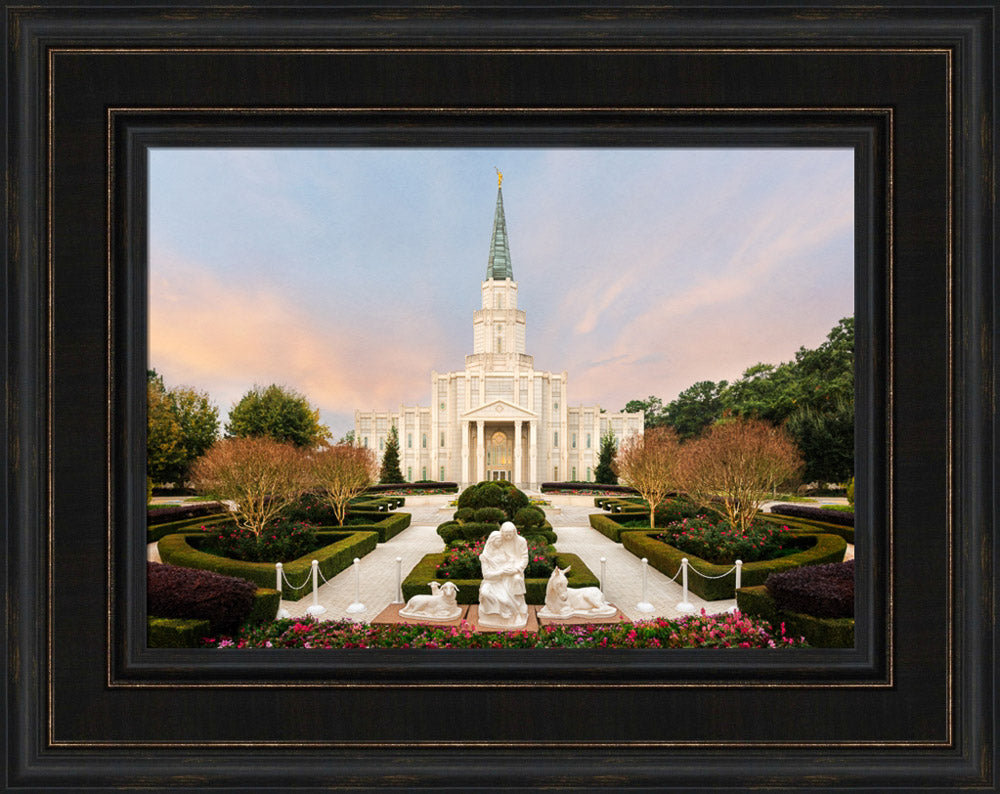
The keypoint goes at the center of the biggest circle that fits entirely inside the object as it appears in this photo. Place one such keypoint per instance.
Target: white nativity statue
(563, 601)
(439, 605)
(501, 594)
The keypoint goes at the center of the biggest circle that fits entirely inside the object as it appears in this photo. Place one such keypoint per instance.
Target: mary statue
(501, 594)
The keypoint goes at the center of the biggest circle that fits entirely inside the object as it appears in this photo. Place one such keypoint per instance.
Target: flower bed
(722, 544)
(586, 488)
(339, 551)
(419, 580)
(821, 548)
(461, 561)
(413, 488)
(280, 541)
(802, 523)
(692, 631)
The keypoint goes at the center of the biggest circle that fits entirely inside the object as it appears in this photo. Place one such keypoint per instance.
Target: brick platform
(391, 615)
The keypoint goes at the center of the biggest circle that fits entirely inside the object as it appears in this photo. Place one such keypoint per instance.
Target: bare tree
(343, 471)
(740, 462)
(649, 463)
(259, 474)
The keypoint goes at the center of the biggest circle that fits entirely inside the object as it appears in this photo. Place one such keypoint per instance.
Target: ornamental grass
(728, 630)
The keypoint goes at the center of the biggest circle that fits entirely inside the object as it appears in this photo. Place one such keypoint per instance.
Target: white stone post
(399, 581)
(316, 608)
(684, 605)
(644, 605)
(357, 606)
(604, 580)
(533, 450)
(279, 576)
(739, 575)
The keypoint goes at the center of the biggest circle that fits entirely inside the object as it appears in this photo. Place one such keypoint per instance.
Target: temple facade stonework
(499, 418)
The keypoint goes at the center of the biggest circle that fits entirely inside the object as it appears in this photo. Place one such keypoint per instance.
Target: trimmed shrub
(175, 632)
(465, 514)
(490, 493)
(163, 515)
(607, 526)
(490, 515)
(585, 487)
(172, 592)
(342, 547)
(474, 530)
(418, 580)
(450, 531)
(819, 632)
(528, 517)
(153, 534)
(839, 517)
(415, 488)
(280, 541)
(818, 549)
(386, 525)
(824, 591)
(810, 526)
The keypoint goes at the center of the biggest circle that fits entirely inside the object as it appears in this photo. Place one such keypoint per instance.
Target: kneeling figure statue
(503, 559)
(563, 601)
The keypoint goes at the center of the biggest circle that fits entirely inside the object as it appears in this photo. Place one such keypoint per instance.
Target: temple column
(533, 453)
(480, 451)
(464, 479)
(517, 453)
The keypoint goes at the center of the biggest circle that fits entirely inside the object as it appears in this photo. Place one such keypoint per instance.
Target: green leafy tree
(764, 391)
(278, 413)
(653, 408)
(826, 440)
(696, 408)
(347, 438)
(182, 424)
(826, 374)
(604, 473)
(390, 472)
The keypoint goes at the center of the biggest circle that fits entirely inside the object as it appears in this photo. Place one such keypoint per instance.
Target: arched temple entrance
(499, 456)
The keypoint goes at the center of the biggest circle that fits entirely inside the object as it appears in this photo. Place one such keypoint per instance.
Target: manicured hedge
(608, 527)
(153, 534)
(387, 526)
(839, 517)
(415, 487)
(585, 488)
(175, 592)
(825, 591)
(339, 553)
(175, 632)
(418, 580)
(667, 559)
(161, 515)
(819, 632)
(187, 633)
(810, 525)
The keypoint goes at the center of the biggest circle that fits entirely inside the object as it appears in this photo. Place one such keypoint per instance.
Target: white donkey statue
(563, 601)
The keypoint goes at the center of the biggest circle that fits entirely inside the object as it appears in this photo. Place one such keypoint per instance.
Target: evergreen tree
(182, 424)
(603, 473)
(390, 472)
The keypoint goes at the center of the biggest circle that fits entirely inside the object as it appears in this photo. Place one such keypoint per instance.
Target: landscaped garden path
(378, 578)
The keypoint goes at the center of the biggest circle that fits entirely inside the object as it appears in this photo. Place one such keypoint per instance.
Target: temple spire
(499, 266)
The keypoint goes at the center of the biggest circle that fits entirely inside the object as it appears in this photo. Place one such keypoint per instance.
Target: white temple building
(499, 418)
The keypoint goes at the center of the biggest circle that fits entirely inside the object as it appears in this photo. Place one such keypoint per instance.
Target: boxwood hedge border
(418, 581)
(667, 560)
(819, 632)
(187, 632)
(333, 558)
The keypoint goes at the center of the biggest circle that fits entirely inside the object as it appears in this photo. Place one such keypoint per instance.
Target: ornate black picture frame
(91, 87)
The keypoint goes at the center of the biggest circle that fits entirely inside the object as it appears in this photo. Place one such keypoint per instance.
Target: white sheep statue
(440, 605)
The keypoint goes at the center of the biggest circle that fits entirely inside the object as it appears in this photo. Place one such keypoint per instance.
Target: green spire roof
(499, 266)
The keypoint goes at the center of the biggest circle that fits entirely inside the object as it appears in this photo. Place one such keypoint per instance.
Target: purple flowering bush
(692, 631)
(281, 541)
(719, 542)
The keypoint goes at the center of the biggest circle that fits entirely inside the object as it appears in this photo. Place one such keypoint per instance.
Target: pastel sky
(350, 274)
